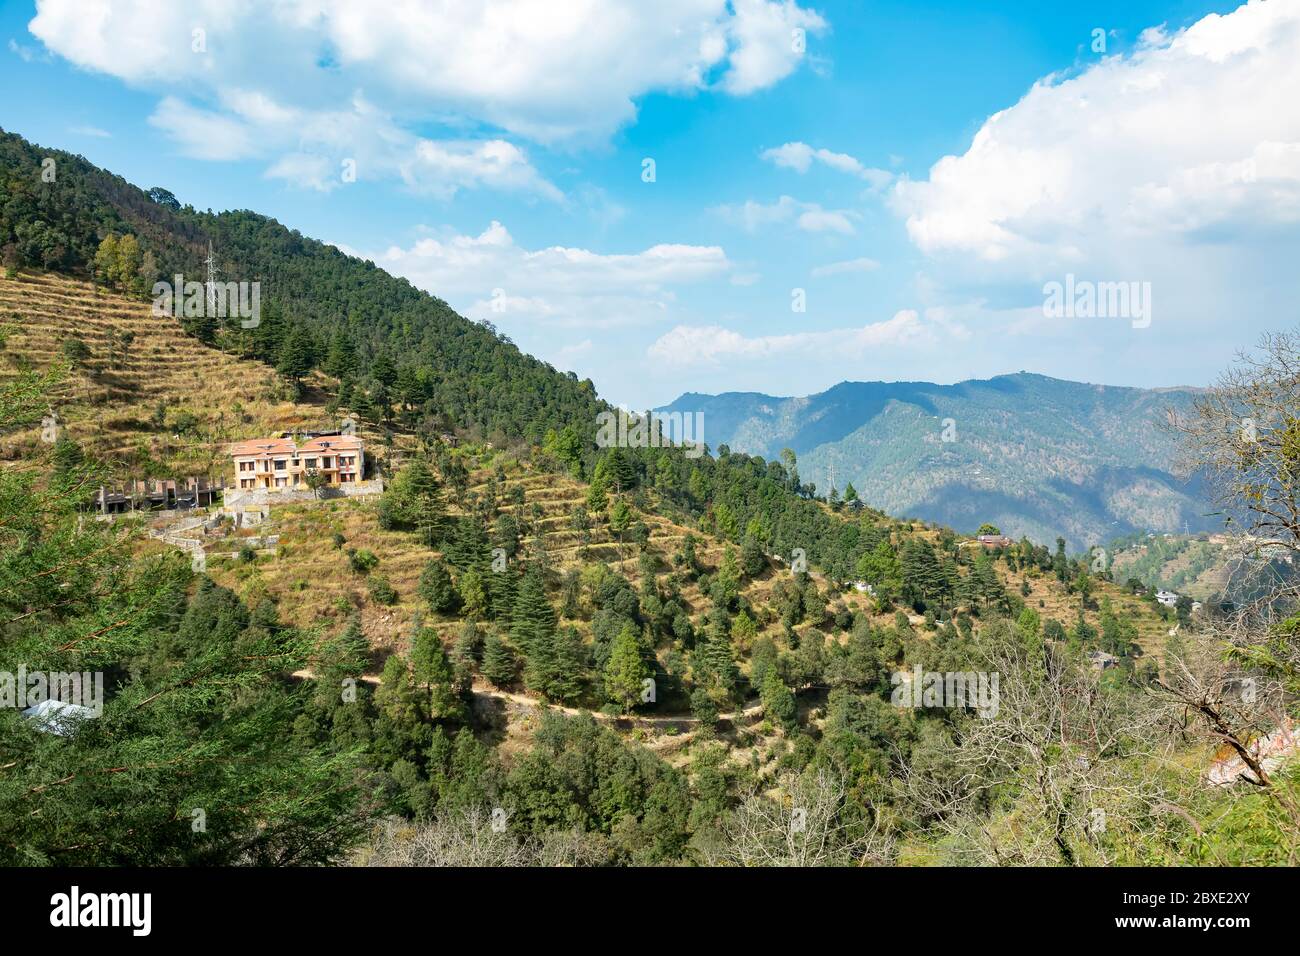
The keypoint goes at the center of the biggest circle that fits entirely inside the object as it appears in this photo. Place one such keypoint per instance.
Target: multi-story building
(281, 463)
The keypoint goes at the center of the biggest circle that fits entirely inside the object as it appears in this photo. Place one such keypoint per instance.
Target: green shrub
(382, 592)
(362, 561)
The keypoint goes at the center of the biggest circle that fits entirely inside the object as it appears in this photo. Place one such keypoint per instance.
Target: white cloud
(93, 131)
(765, 39)
(808, 216)
(25, 53)
(800, 156)
(711, 345)
(490, 276)
(203, 134)
(850, 265)
(314, 150)
(548, 71)
(577, 350)
(1193, 135)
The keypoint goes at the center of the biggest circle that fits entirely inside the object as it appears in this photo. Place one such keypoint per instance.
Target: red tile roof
(263, 446)
(285, 446)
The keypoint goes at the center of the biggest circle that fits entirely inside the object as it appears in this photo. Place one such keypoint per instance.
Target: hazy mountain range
(1034, 455)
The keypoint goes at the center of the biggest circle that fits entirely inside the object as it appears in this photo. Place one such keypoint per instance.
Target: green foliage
(499, 663)
(580, 774)
(625, 671)
(362, 561)
(193, 759)
(413, 501)
(382, 592)
(437, 587)
(778, 703)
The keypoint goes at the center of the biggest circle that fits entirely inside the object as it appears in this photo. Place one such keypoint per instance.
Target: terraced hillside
(110, 406)
(144, 396)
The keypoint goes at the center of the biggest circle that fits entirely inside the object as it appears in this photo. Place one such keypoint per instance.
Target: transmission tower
(211, 285)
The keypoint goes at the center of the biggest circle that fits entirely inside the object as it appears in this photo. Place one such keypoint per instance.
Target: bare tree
(1045, 777)
(475, 837)
(804, 825)
(465, 838)
(1243, 437)
(1239, 677)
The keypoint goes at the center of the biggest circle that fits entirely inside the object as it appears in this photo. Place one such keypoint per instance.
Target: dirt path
(481, 689)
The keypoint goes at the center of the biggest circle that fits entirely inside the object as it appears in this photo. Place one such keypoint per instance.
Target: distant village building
(160, 494)
(1167, 598)
(1103, 661)
(994, 541)
(280, 463)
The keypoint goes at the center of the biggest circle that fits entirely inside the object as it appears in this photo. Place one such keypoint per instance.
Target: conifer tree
(437, 588)
(432, 670)
(198, 713)
(625, 670)
(532, 626)
(499, 664)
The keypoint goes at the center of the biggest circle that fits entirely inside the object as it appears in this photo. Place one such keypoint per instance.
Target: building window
(279, 464)
(311, 462)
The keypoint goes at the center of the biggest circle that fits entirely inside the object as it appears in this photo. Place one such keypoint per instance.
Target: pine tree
(620, 516)
(436, 587)
(499, 664)
(428, 512)
(297, 355)
(567, 678)
(714, 661)
(341, 360)
(597, 496)
(625, 670)
(778, 702)
(432, 670)
(533, 622)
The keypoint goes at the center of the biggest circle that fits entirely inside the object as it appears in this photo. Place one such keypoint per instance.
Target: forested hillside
(530, 649)
(378, 334)
(1037, 456)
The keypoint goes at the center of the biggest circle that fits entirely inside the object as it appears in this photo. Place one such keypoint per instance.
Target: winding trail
(481, 689)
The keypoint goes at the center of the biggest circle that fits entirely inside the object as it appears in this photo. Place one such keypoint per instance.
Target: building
(1167, 598)
(1103, 661)
(281, 463)
(994, 541)
(159, 494)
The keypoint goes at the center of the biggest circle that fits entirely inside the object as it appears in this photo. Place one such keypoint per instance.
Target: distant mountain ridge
(1035, 455)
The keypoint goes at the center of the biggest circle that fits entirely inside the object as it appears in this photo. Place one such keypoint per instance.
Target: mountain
(602, 648)
(340, 313)
(1034, 455)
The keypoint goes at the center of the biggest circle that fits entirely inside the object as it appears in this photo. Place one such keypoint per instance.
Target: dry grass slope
(108, 402)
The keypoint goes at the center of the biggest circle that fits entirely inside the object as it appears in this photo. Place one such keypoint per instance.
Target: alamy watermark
(974, 690)
(653, 430)
(1085, 299)
(26, 689)
(214, 300)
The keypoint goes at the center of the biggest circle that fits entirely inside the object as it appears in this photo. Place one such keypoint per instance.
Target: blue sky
(913, 173)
